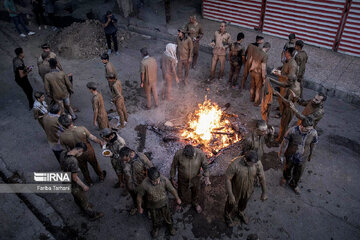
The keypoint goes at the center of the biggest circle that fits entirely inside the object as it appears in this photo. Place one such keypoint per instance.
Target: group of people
(135, 173)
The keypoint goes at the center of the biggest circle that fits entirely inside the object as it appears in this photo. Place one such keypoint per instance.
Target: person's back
(44, 68)
(74, 135)
(258, 57)
(167, 65)
(150, 66)
(57, 84)
(51, 127)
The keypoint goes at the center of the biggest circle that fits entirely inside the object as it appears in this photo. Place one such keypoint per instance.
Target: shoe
(103, 176)
(31, 33)
(117, 53)
(282, 181)
(109, 51)
(297, 190)
(244, 218)
(133, 211)
(22, 35)
(97, 216)
(155, 233)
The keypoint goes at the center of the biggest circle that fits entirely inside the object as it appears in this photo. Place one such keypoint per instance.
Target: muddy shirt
(243, 177)
(194, 31)
(135, 170)
(115, 145)
(257, 59)
(252, 47)
(222, 41)
(44, 68)
(168, 66)
(256, 142)
(156, 195)
(116, 90)
(57, 85)
(298, 149)
(301, 60)
(69, 163)
(71, 136)
(110, 70)
(316, 113)
(188, 168)
(41, 60)
(184, 48)
(237, 52)
(290, 71)
(149, 68)
(98, 105)
(52, 129)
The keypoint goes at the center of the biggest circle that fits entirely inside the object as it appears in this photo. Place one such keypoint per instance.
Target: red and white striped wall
(332, 24)
(241, 13)
(350, 38)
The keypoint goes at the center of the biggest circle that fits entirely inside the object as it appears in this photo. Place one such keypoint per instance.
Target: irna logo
(52, 177)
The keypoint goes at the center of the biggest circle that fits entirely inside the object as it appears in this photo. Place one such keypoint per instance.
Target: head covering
(106, 132)
(45, 45)
(91, 85)
(171, 51)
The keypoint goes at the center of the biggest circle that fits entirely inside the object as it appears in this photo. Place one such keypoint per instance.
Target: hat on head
(91, 85)
(111, 75)
(106, 132)
(182, 29)
(45, 45)
(104, 56)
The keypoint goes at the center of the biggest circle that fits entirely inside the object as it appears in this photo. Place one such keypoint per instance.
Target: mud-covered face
(222, 27)
(180, 34)
(305, 129)
(317, 100)
(155, 182)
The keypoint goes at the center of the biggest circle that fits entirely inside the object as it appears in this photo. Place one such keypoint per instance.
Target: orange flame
(208, 127)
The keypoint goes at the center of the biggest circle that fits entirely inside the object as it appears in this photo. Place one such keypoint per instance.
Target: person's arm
(200, 34)
(142, 75)
(283, 146)
(297, 113)
(139, 198)
(76, 179)
(170, 188)
(107, 21)
(269, 138)
(292, 74)
(205, 167)
(68, 84)
(96, 110)
(36, 114)
(6, 6)
(229, 175)
(58, 65)
(261, 175)
(230, 54)
(173, 67)
(47, 87)
(312, 146)
(93, 138)
(173, 169)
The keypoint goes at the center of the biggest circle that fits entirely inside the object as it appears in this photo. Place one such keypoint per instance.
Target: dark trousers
(50, 19)
(195, 53)
(28, 90)
(158, 214)
(82, 201)
(114, 39)
(19, 20)
(184, 186)
(89, 157)
(39, 16)
(230, 210)
(293, 172)
(57, 154)
(234, 73)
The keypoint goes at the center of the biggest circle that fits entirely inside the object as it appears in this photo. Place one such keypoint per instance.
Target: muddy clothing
(69, 163)
(256, 142)
(266, 100)
(195, 32)
(57, 85)
(299, 147)
(301, 59)
(287, 114)
(51, 55)
(168, 67)
(40, 110)
(149, 69)
(119, 101)
(115, 145)
(188, 173)
(110, 70)
(99, 107)
(242, 178)
(185, 54)
(252, 47)
(258, 74)
(222, 42)
(53, 129)
(237, 53)
(44, 68)
(315, 112)
(135, 171)
(18, 64)
(68, 140)
(286, 46)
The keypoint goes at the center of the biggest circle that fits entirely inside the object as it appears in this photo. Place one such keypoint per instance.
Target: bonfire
(209, 128)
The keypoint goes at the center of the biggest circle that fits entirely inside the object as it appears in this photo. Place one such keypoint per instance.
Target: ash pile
(83, 40)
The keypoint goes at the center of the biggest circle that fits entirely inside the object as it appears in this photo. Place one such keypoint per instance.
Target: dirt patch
(345, 142)
(83, 40)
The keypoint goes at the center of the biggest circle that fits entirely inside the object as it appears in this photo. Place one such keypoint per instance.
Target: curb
(348, 97)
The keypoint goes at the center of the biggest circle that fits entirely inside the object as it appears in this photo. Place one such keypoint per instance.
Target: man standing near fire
(148, 77)
(188, 162)
(194, 29)
(185, 55)
(236, 59)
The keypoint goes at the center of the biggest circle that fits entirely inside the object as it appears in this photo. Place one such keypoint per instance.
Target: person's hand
(95, 124)
(86, 188)
(174, 183)
(281, 159)
(292, 105)
(141, 210)
(142, 85)
(177, 80)
(102, 143)
(263, 197)
(271, 130)
(207, 181)
(178, 201)
(232, 200)
(190, 60)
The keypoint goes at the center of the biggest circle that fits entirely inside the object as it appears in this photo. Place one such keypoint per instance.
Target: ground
(328, 208)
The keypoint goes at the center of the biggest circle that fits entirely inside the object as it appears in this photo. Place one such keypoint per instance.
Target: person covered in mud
(314, 108)
(168, 66)
(297, 148)
(135, 169)
(155, 189)
(100, 118)
(148, 77)
(69, 163)
(118, 99)
(240, 178)
(46, 48)
(44, 66)
(115, 143)
(188, 162)
(263, 134)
